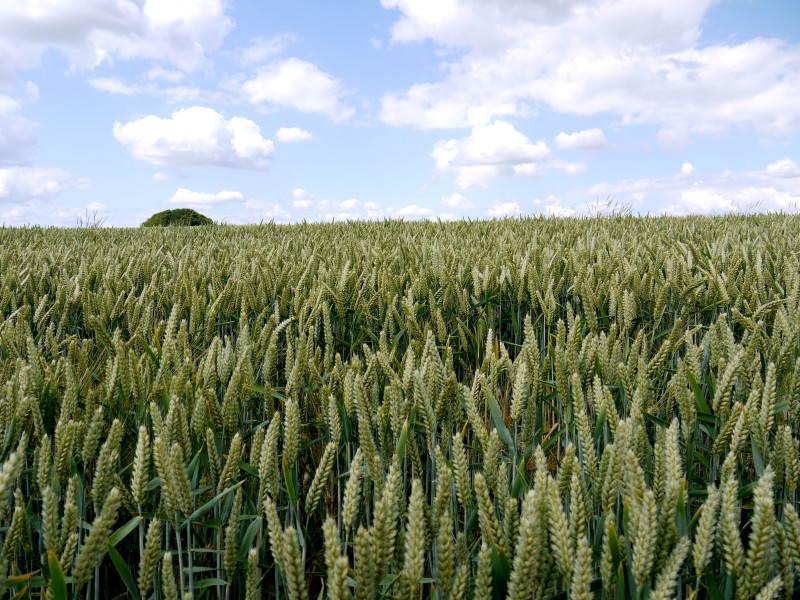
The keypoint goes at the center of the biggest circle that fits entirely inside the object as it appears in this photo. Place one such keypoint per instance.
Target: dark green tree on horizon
(178, 217)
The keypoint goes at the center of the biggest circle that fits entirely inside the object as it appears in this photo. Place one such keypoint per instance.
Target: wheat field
(531, 408)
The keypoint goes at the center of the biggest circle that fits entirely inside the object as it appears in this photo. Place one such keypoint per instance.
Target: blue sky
(291, 110)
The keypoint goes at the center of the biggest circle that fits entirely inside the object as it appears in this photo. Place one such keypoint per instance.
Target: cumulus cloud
(17, 139)
(717, 193)
(458, 202)
(679, 195)
(497, 143)
(434, 106)
(44, 212)
(641, 62)
(8, 104)
(262, 49)
(92, 32)
(21, 184)
(588, 139)
(293, 134)
(552, 207)
(196, 136)
(184, 196)
(444, 217)
(504, 209)
(302, 199)
(299, 85)
(114, 85)
(261, 210)
(17, 134)
(156, 83)
(275, 213)
(704, 201)
(495, 150)
(413, 211)
(785, 167)
(162, 74)
(351, 209)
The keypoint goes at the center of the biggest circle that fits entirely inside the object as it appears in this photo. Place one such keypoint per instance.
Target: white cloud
(420, 16)
(504, 209)
(19, 185)
(196, 136)
(299, 85)
(275, 213)
(8, 104)
(413, 211)
(118, 86)
(17, 139)
(641, 62)
(552, 206)
(302, 199)
(703, 201)
(785, 167)
(588, 139)
(185, 94)
(162, 74)
(681, 194)
(92, 32)
(673, 137)
(569, 168)
(161, 176)
(497, 143)
(262, 49)
(44, 212)
(458, 202)
(495, 150)
(17, 134)
(349, 204)
(351, 209)
(444, 217)
(293, 134)
(260, 210)
(152, 85)
(432, 106)
(184, 196)
(114, 85)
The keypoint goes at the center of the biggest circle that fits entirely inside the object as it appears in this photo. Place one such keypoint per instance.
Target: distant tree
(179, 216)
